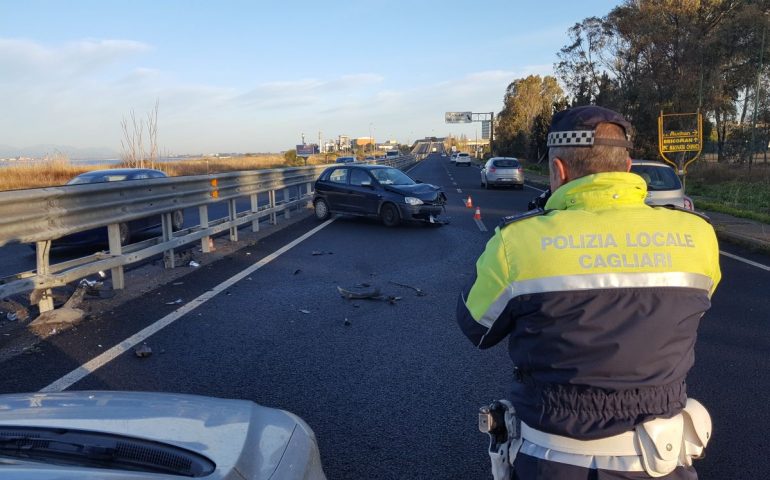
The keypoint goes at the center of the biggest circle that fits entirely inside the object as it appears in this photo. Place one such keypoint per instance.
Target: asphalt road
(394, 394)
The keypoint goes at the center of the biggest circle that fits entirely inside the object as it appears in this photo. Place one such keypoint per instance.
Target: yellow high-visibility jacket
(600, 296)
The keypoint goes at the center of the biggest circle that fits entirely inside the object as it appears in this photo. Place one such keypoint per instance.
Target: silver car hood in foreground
(246, 441)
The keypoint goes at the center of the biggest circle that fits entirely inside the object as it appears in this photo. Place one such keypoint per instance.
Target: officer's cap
(575, 127)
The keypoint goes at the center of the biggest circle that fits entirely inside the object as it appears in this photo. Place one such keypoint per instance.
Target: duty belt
(656, 447)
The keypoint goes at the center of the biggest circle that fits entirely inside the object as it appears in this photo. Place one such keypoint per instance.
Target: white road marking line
(481, 225)
(101, 360)
(459, 190)
(533, 188)
(745, 260)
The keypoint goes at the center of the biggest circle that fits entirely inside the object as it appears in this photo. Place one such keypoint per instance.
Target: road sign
(680, 134)
(307, 149)
(458, 117)
(485, 129)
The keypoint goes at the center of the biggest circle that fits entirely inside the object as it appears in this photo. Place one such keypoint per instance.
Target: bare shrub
(136, 153)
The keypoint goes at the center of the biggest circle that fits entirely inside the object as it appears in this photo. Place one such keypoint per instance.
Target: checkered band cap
(575, 138)
(576, 127)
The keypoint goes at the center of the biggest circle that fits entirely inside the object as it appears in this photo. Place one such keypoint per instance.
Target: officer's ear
(628, 164)
(560, 173)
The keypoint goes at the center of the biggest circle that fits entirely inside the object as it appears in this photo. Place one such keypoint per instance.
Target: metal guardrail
(44, 214)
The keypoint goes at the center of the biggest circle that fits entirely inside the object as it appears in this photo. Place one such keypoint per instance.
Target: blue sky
(253, 76)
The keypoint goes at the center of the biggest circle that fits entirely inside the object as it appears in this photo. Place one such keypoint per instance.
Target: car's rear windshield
(463, 155)
(98, 179)
(506, 164)
(658, 178)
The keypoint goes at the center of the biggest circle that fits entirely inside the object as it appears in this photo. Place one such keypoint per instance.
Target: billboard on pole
(458, 117)
(307, 149)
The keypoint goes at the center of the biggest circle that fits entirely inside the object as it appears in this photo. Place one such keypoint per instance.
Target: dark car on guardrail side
(98, 236)
(376, 191)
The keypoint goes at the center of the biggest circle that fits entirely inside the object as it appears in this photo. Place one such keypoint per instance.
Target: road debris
(175, 302)
(13, 310)
(316, 253)
(304, 311)
(346, 322)
(297, 271)
(178, 283)
(194, 264)
(392, 300)
(142, 351)
(367, 292)
(373, 293)
(420, 292)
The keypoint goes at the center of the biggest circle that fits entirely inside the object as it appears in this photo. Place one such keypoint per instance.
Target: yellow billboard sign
(674, 139)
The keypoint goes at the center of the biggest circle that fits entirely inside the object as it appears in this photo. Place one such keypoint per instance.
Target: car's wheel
(125, 234)
(389, 215)
(322, 209)
(177, 220)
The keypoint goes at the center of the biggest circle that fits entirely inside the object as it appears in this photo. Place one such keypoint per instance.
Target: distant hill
(74, 153)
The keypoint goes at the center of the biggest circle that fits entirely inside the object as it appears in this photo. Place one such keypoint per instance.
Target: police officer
(600, 296)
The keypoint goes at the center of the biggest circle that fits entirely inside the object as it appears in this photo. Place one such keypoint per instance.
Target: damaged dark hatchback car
(377, 191)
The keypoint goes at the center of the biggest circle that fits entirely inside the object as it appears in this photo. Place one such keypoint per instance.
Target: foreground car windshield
(391, 176)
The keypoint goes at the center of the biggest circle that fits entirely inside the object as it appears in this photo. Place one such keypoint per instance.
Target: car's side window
(339, 175)
(360, 177)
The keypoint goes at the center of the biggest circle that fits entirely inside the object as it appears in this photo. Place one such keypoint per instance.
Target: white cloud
(22, 59)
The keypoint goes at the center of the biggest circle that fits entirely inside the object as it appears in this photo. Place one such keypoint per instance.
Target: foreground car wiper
(100, 450)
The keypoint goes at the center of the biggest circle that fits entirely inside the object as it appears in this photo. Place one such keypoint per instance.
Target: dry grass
(39, 175)
(58, 172)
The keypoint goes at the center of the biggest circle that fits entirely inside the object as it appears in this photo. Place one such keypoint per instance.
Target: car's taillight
(521, 170)
(492, 169)
(688, 203)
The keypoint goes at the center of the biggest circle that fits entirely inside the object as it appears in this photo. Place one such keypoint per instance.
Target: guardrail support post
(203, 215)
(255, 209)
(309, 194)
(273, 217)
(233, 213)
(113, 237)
(169, 259)
(42, 252)
(287, 202)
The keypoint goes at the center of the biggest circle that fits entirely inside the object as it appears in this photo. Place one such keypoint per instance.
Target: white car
(150, 436)
(663, 186)
(463, 158)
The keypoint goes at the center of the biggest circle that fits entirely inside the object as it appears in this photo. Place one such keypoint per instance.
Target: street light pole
(756, 93)
(371, 139)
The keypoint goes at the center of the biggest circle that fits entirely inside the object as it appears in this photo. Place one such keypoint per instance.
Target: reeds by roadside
(59, 171)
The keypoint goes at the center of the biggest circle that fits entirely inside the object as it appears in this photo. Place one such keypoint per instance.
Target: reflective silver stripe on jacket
(597, 281)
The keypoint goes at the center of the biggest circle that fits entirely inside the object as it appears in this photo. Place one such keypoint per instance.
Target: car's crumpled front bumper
(431, 208)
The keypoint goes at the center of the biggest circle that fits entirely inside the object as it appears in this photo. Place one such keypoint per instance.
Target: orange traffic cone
(469, 202)
(477, 215)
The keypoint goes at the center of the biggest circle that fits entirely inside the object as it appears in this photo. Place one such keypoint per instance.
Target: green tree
(528, 103)
(648, 56)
